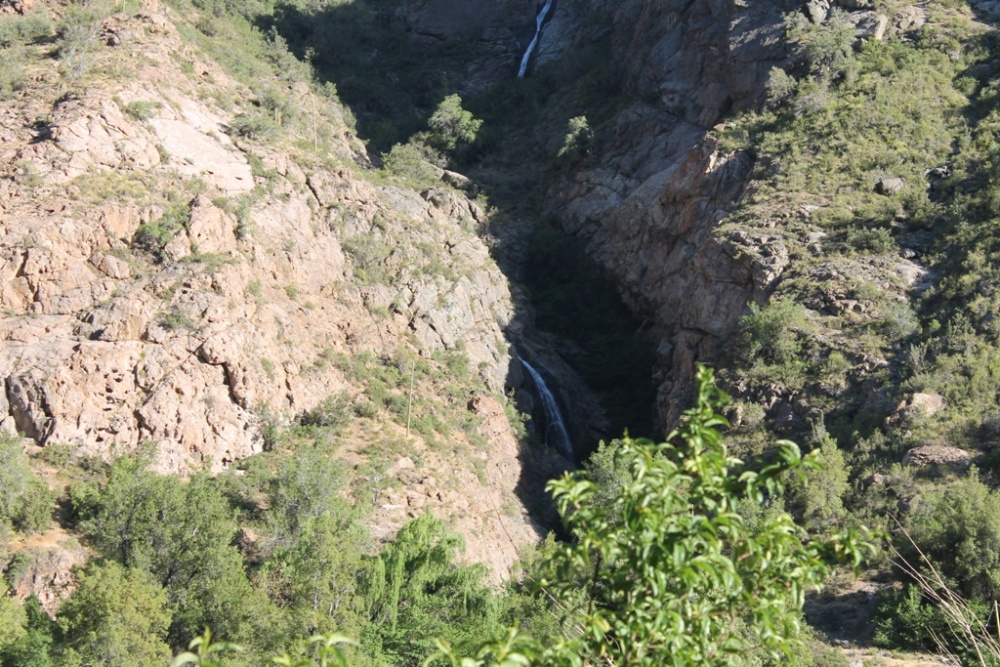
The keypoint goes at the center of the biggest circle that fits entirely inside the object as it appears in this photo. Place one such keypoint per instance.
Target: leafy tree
(452, 127)
(958, 528)
(26, 502)
(305, 486)
(319, 575)
(25, 632)
(181, 534)
(415, 592)
(689, 563)
(117, 617)
(673, 575)
(12, 618)
(817, 497)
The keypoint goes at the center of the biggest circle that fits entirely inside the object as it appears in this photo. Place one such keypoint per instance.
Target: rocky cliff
(166, 277)
(652, 198)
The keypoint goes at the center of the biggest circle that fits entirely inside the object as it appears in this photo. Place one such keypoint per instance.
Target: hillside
(273, 276)
(169, 278)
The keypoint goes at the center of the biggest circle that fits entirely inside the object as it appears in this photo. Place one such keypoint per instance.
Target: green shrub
(175, 319)
(714, 582)
(904, 619)
(271, 112)
(141, 110)
(154, 236)
(181, 534)
(958, 528)
(26, 503)
(117, 617)
(816, 498)
(578, 139)
(828, 45)
(414, 591)
(78, 35)
(254, 124)
(412, 161)
(366, 409)
(780, 87)
(452, 128)
(876, 240)
(770, 334)
(37, 505)
(12, 76)
(333, 412)
(369, 252)
(19, 30)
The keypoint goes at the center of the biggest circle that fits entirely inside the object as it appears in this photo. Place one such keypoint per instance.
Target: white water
(553, 416)
(539, 21)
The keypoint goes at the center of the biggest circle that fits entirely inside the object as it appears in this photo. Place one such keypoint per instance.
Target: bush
(78, 35)
(958, 528)
(153, 237)
(876, 240)
(769, 334)
(453, 128)
(12, 75)
(827, 46)
(19, 30)
(577, 141)
(904, 619)
(254, 124)
(271, 112)
(412, 161)
(117, 617)
(180, 534)
(142, 110)
(670, 572)
(780, 87)
(26, 503)
(817, 498)
(334, 412)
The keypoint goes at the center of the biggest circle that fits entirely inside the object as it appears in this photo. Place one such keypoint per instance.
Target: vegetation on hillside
(882, 153)
(675, 558)
(881, 150)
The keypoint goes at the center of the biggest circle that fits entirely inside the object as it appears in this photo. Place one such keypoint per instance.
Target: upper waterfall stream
(539, 22)
(553, 415)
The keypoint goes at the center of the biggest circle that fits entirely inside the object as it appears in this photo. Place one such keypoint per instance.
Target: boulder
(938, 455)
(817, 10)
(889, 186)
(869, 24)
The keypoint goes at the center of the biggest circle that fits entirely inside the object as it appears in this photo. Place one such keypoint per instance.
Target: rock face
(701, 59)
(938, 455)
(499, 30)
(651, 207)
(450, 19)
(47, 573)
(161, 280)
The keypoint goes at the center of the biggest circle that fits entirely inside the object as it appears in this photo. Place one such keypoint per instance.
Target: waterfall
(553, 416)
(539, 21)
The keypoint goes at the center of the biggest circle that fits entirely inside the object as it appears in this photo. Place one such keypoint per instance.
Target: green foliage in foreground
(668, 573)
(671, 572)
(674, 554)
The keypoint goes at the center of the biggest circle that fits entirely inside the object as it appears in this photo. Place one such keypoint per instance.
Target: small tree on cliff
(453, 128)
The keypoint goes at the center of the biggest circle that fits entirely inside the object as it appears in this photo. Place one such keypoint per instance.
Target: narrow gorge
(343, 285)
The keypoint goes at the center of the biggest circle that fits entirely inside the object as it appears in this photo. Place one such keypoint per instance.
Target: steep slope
(198, 261)
(804, 196)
